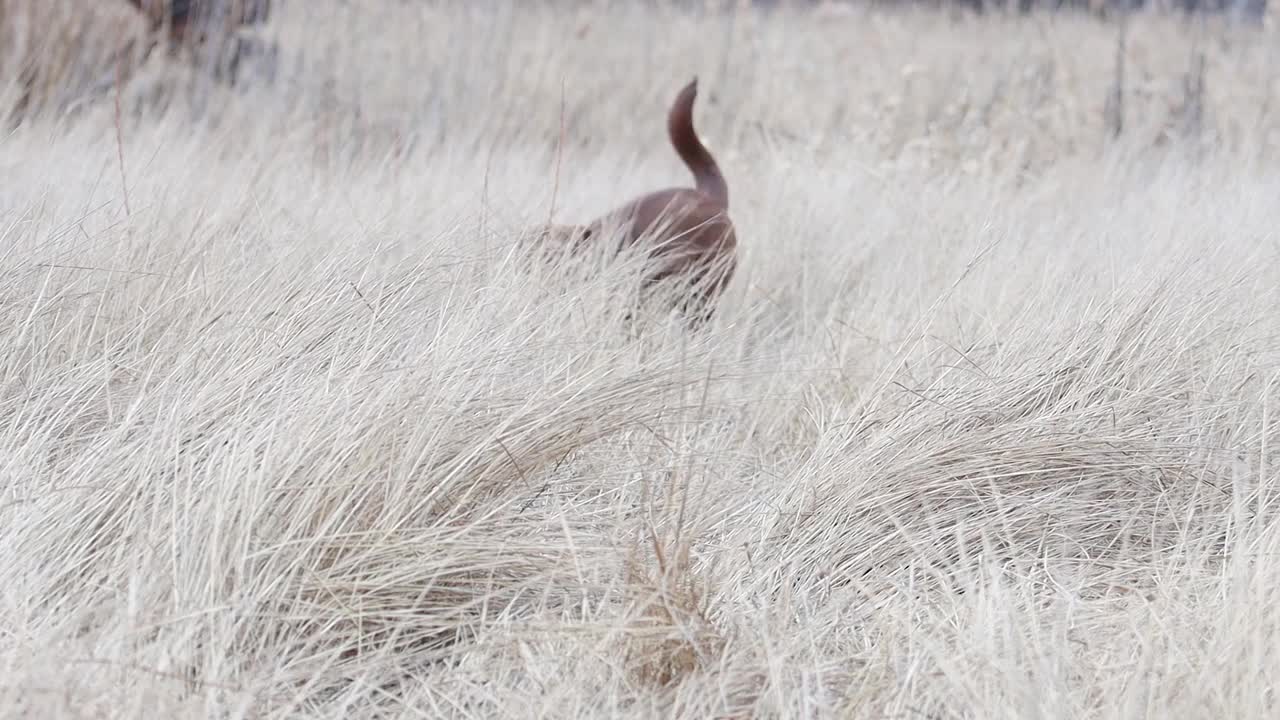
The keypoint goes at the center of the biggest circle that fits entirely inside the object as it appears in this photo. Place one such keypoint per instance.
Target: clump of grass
(669, 635)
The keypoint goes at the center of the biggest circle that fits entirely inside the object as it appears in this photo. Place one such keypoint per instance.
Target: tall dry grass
(985, 427)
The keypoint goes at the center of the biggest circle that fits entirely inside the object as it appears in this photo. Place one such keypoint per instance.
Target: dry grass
(985, 427)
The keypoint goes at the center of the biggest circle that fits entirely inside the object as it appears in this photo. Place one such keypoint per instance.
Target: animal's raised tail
(706, 173)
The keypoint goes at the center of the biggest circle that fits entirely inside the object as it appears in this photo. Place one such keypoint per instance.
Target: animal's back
(690, 233)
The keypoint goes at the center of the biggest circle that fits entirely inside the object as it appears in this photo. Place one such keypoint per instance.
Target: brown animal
(688, 230)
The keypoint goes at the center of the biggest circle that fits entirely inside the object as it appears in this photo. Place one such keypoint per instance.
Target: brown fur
(687, 229)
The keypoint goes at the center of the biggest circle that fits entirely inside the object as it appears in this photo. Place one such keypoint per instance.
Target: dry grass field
(986, 426)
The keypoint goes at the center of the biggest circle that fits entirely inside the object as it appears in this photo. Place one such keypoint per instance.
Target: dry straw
(985, 426)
